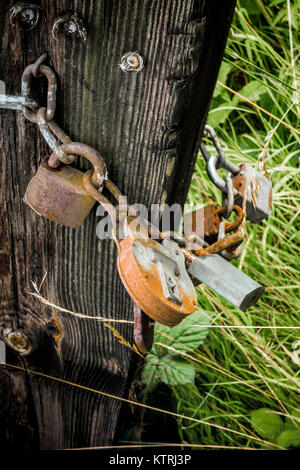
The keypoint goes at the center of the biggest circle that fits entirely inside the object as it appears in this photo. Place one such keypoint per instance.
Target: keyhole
(172, 284)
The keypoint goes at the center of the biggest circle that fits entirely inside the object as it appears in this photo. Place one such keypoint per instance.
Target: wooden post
(147, 125)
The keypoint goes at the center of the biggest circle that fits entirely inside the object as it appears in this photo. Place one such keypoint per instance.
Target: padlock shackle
(222, 161)
(97, 195)
(99, 174)
(116, 213)
(231, 226)
(211, 168)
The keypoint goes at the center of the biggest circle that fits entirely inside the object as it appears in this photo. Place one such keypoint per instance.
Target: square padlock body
(59, 195)
(243, 183)
(203, 222)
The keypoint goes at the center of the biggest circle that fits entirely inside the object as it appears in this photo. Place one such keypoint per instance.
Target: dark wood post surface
(147, 126)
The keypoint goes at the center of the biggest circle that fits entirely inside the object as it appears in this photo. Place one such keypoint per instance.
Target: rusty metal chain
(38, 69)
(52, 133)
(41, 116)
(44, 117)
(92, 182)
(224, 244)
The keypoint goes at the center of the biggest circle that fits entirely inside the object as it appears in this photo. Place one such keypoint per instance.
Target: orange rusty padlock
(205, 222)
(153, 273)
(57, 191)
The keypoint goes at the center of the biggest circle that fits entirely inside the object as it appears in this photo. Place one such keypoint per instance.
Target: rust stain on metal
(228, 243)
(205, 222)
(78, 148)
(143, 282)
(189, 257)
(59, 193)
(51, 94)
(233, 240)
(143, 330)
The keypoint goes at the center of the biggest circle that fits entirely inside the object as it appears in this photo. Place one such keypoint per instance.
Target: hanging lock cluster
(244, 185)
(159, 273)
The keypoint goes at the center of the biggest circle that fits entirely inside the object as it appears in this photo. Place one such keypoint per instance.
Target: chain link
(51, 93)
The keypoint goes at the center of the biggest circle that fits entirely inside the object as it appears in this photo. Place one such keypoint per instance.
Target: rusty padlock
(152, 272)
(57, 191)
(205, 222)
(251, 189)
(255, 190)
(155, 276)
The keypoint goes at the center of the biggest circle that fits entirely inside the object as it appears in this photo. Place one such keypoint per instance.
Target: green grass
(239, 371)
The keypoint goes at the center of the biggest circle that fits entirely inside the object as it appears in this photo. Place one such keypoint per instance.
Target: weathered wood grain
(147, 126)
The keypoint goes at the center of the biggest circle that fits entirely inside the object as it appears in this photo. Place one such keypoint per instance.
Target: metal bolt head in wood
(26, 14)
(71, 25)
(132, 62)
(18, 341)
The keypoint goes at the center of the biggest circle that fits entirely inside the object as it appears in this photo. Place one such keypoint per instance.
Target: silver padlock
(255, 189)
(225, 279)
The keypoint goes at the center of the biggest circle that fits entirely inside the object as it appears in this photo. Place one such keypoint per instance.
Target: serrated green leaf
(168, 370)
(289, 438)
(186, 332)
(268, 425)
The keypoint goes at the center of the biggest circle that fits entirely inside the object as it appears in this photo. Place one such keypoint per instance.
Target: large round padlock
(57, 191)
(154, 275)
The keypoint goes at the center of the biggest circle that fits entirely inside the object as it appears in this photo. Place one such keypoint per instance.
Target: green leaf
(187, 332)
(290, 438)
(225, 70)
(168, 370)
(251, 7)
(289, 424)
(221, 107)
(163, 364)
(219, 115)
(252, 91)
(268, 425)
